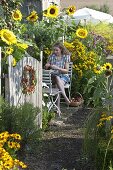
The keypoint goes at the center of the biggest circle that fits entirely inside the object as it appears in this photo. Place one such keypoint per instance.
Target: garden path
(61, 147)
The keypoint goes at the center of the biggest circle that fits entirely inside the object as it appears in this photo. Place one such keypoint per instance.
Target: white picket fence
(13, 85)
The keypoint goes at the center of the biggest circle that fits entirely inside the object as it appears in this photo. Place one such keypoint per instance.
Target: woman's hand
(54, 67)
(47, 66)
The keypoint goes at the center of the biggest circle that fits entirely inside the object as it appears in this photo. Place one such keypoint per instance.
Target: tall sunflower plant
(13, 34)
(50, 29)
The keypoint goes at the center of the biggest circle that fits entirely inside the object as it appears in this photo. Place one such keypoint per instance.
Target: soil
(61, 147)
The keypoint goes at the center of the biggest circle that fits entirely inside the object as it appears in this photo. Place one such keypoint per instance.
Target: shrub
(20, 120)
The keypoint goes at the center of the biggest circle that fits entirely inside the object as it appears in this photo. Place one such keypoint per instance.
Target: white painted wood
(14, 92)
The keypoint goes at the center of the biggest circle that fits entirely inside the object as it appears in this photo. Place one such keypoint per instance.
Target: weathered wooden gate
(13, 84)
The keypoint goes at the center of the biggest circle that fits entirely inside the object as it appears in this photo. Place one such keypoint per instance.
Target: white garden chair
(53, 93)
(68, 85)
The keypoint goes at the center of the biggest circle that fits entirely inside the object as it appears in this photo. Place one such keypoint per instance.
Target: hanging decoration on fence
(28, 81)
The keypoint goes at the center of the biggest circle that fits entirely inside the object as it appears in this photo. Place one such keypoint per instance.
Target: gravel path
(61, 147)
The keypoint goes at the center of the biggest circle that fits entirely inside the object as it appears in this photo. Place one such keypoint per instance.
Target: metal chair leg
(53, 104)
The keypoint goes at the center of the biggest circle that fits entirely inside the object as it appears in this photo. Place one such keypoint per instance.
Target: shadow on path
(61, 147)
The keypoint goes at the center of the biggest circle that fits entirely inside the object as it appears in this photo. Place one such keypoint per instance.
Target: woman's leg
(60, 84)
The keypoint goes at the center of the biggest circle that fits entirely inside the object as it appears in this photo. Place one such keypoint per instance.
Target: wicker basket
(77, 100)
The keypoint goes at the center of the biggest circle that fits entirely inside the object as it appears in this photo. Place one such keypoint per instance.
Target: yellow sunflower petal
(16, 15)
(52, 11)
(71, 10)
(9, 50)
(81, 32)
(107, 66)
(8, 36)
(33, 16)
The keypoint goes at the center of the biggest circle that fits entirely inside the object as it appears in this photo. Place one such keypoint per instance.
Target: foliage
(89, 46)
(9, 145)
(99, 131)
(46, 117)
(21, 120)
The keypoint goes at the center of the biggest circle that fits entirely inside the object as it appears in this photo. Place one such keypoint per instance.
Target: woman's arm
(47, 66)
(65, 69)
(61, 70)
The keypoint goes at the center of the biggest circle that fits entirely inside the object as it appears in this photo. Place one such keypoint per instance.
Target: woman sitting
(59, 62)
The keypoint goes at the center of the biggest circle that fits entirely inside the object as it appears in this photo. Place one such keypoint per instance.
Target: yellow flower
(97, 69)
(8, 36)
(16, 15)
(9, 50)
(8, 165)
(100, 124)
(16, 136)
(47, 51)
(14, 62)
(11, 144)
(22, 164)
(4, 136)
(81, 32)
(71, 10)
(52, 11)
(69, 46)
(109, 118)
(103, 119)
(107, 66)
(24, 46)
(33, 16)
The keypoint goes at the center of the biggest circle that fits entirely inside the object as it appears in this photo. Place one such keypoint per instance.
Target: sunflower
(97, 69)
(8, 36)
(52, 11)
(81, 32)
(9, 50)
(33, 16)
(16, 15)
(71, 10)
(107, 66)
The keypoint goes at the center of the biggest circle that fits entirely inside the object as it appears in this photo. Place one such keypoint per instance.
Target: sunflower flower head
(107, 66)
(97, 69)
(71, 10)
(52, 11)
(9, 50)
(17, 15)
(33, 17)
(8, 36)
(81, 33)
